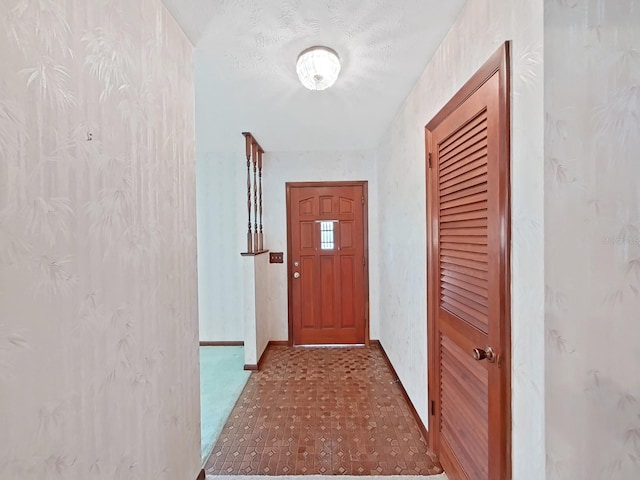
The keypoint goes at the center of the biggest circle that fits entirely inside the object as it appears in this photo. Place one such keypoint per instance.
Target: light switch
(276, 257)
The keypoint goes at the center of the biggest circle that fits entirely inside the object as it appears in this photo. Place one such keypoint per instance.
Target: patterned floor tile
(333, 411)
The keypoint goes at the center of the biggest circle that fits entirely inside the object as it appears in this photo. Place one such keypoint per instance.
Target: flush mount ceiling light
(318, 67)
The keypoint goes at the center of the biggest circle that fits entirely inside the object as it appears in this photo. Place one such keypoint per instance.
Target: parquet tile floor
(331, 411)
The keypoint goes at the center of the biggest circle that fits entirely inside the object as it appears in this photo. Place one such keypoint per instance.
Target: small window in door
(327, 241)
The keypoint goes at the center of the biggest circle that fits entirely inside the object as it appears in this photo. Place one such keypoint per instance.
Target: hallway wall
(480, 29)
(98, 321)
(592, 239)
(222, 227)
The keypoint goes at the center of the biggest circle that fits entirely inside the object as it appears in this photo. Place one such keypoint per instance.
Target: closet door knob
(484, 354)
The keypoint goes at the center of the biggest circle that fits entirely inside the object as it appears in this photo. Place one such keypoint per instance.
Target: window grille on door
(327, 241)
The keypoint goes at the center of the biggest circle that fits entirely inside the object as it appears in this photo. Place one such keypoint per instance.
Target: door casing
(365, 234)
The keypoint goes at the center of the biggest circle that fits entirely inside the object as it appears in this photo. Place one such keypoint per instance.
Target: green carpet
(222, 378)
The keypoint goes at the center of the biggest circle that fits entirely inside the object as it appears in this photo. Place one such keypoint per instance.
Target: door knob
(486, 353)
(296, 274)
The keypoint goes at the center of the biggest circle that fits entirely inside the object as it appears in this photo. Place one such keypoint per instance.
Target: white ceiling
(245, 67)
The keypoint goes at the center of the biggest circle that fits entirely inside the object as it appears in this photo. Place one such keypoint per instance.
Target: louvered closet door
(468, 239)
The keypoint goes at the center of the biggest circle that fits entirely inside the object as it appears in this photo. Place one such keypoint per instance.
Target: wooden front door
(468, 268)
(327, 263)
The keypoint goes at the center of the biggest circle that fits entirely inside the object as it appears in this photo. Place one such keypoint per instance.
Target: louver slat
(463, 223)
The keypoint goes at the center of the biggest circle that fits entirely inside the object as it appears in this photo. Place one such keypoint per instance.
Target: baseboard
(201, 475)
(255, 367)
(207, 343)
(272, 343)
(414, 412)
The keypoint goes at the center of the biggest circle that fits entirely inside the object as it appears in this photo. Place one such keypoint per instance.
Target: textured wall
(256, 309)
(263, 322)
(481, 28)
(592, 239)
(222, 226)
(248, 312)
(98, 321)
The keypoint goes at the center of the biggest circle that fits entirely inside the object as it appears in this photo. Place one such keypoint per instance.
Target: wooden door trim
(365, 236)
(498, 63)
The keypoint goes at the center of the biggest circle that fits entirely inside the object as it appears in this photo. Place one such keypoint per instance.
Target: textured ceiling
(245, 67)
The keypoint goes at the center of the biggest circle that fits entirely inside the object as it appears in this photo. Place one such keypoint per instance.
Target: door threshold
(332, 345)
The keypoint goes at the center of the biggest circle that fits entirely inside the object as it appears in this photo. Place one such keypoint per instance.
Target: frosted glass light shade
(318, 67)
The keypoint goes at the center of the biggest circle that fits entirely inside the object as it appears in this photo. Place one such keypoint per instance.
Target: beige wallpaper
(98, 302)
(480, 29)
(592, 239)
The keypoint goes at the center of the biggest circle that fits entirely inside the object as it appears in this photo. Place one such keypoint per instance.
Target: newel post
(248, 146)
(260, 235)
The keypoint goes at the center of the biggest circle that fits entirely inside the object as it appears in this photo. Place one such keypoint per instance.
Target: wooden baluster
(255, 196)
(248, 144)
(255, 236)
(260, 235)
